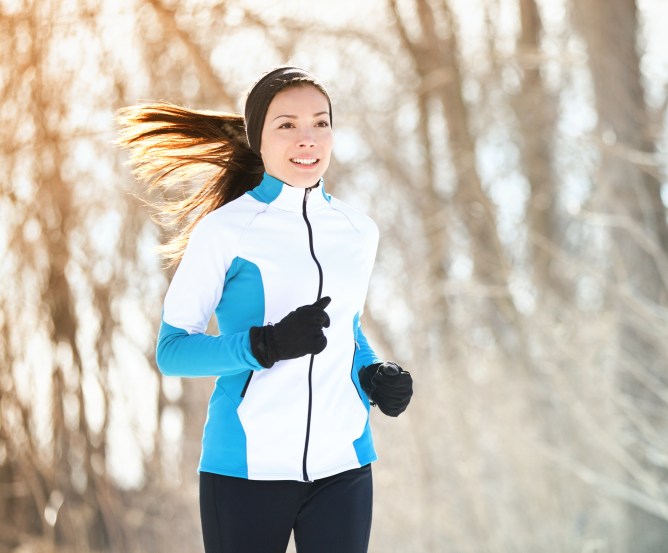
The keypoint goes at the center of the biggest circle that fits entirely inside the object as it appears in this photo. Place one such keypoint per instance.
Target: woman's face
(297, 136)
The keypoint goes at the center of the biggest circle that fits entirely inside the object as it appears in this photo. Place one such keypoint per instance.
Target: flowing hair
(171, 146)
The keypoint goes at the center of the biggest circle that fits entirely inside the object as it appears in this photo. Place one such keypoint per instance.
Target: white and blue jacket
(251, 262)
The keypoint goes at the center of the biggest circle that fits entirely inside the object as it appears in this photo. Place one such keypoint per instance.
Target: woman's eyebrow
(295, 117)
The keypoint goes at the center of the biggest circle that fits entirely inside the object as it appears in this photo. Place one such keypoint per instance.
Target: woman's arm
(385, 383)
(365, 354)
(181, 354)
(184, 349)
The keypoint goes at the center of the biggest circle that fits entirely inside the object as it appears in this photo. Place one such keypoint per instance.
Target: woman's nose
(306, 139)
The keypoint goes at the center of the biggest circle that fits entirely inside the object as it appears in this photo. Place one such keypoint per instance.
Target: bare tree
(628, 204)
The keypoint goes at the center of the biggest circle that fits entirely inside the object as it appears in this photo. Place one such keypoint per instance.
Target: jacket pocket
(248, 381)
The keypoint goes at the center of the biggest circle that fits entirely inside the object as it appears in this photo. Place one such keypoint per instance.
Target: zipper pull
(306, 194)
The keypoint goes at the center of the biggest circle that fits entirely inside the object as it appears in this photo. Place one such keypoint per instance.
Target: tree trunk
(630, 199)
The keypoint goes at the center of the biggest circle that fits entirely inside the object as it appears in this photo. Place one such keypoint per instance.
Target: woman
(285, 268)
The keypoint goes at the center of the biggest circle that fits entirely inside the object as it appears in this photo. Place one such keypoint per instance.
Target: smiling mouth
(304, 161)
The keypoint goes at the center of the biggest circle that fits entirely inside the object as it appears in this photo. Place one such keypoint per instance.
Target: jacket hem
(296, 475)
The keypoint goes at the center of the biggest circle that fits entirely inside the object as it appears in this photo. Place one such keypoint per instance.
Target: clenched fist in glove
(388, 386)
(298, 333)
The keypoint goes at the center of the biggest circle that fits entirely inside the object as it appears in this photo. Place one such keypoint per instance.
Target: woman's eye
(322, 124)
(286, 126)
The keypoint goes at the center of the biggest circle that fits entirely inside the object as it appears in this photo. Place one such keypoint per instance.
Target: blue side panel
(364, 444)
(242, 303)
(224, 439)
(241, 306)
(365, 354)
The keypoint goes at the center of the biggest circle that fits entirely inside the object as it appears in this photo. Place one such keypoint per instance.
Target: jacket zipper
(305, 476)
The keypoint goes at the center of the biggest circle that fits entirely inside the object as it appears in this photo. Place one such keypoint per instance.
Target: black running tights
(331, 515)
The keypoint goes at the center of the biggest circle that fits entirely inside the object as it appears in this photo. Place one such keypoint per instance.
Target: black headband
(263, 92)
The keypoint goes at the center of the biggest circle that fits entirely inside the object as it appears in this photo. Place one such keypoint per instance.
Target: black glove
(388, 386)
(298, 333)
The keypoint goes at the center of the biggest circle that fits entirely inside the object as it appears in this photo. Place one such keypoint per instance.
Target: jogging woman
(285, 267)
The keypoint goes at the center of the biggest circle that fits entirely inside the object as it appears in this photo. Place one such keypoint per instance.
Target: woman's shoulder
(357, 217)
(232, 213)
(228, 222)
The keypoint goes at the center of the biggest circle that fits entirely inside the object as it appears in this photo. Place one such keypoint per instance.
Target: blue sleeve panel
(181, 354)
(365, 354)
(241, 306)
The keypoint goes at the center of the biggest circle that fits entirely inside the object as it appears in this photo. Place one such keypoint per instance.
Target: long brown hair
(172, 145)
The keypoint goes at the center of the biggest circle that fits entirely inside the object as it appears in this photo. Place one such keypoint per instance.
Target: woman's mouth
(304, 161)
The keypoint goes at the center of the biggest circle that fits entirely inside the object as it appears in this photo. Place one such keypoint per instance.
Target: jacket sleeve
(183, 348)
(365, 354)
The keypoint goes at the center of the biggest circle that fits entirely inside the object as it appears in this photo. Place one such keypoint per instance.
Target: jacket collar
(289, 198)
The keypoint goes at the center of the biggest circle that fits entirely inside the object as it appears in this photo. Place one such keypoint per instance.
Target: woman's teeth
(304, 161)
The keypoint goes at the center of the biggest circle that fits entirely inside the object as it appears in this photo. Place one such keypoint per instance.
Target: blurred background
(513, 154)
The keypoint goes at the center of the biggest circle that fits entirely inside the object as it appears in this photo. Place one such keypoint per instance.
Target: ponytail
(171, 145)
